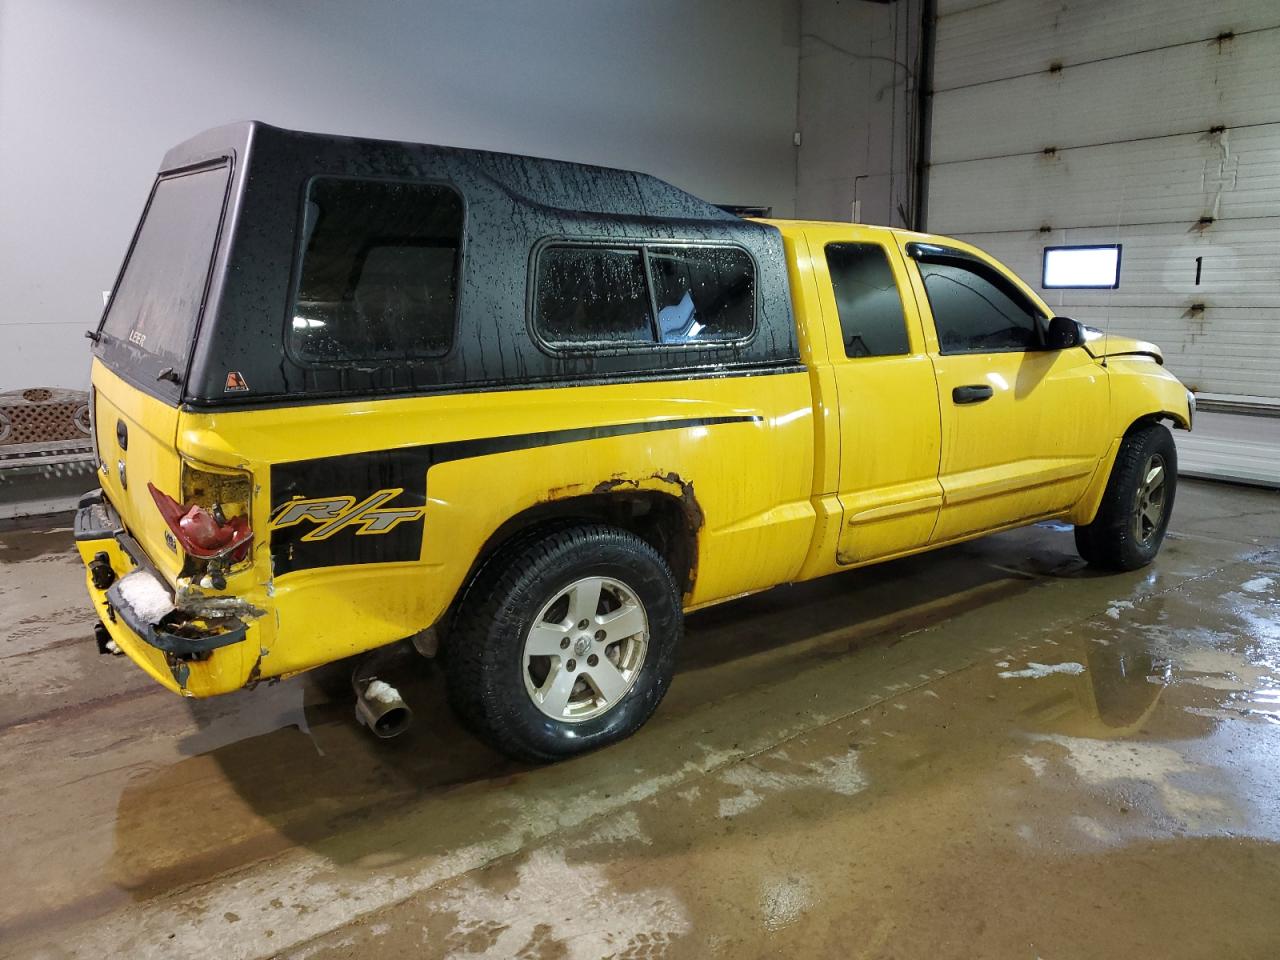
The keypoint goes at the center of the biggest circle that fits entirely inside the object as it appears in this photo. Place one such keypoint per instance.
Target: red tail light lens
(199, 532)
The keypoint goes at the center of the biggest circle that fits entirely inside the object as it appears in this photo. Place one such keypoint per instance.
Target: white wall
(857, 116)
(92, 93)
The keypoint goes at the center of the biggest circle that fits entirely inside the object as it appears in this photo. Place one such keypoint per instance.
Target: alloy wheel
(585, 649)
(1149, 503)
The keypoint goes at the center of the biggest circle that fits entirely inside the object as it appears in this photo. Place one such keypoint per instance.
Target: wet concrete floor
(986, 751)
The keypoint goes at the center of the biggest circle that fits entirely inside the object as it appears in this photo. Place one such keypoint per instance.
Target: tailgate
(135, 437)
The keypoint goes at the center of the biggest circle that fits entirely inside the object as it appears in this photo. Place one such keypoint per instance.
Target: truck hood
(1102, 345)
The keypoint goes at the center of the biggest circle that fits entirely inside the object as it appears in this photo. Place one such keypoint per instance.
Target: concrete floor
(988, 751)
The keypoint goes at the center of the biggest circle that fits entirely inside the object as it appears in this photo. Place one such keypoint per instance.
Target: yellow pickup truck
(348, 392)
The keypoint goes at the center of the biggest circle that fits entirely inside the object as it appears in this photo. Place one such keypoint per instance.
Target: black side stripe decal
(468, 449)
(357, 476)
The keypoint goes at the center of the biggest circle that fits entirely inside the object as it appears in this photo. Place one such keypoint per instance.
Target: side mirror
(1064, 333)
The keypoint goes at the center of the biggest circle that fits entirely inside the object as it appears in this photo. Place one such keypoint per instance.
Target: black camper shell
(238, 349)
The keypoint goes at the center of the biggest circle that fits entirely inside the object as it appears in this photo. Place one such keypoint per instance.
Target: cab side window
(977, 311)
(872, 323)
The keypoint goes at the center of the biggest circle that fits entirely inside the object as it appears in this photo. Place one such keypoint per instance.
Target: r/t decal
(335, 514)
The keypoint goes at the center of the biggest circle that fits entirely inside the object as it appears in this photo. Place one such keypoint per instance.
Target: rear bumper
(196, 658)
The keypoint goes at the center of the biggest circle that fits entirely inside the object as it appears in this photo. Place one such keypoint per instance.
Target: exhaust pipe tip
(380, 708)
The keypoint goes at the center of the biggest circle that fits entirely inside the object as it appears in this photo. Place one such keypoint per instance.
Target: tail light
(211, 523)
(199, 531)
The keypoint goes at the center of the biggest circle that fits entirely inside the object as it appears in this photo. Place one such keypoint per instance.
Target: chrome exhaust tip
(380, 708)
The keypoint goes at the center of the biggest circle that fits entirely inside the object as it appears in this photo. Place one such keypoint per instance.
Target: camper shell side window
(377, 279)
(595, 296)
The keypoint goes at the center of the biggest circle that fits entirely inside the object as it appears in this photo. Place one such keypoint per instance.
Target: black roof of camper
(512, 204)
(537, 181)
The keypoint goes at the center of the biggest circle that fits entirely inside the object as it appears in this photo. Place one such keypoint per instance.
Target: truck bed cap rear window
(154, 310)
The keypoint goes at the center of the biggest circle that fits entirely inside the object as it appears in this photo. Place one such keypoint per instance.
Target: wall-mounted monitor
(1094, 267)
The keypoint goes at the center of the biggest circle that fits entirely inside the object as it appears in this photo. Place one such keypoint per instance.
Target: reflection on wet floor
(987, 751)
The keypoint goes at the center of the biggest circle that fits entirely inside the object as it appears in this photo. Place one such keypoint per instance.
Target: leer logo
(335, 514)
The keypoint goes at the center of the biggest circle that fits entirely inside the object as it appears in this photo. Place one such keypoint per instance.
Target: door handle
(974, 393)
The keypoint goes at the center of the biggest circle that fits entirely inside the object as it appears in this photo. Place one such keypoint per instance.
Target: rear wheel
(1135, 509)
(566, 645)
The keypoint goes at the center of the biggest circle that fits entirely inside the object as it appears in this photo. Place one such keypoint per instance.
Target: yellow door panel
(888, 457)
(1027, 451)
(889, 430)
(1023, 427)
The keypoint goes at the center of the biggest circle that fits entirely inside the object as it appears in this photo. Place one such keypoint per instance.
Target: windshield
(156, 304)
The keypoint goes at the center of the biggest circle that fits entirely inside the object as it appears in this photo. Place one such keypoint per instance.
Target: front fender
(1142, 389)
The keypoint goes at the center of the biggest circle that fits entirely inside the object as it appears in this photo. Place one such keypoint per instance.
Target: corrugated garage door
(1151, 123)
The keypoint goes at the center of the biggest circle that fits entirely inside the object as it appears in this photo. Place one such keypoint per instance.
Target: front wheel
(1134, 514)
(565, 645)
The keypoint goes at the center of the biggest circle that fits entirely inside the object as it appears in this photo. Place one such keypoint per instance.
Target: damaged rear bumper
(191, 654)
(230, 629)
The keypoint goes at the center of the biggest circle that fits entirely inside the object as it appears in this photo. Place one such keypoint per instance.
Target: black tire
(485, 661)
(1125, 535)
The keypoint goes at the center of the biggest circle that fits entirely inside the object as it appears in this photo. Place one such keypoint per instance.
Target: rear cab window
(642, 296)
(868, 301)
(151, 319)
(378, 277)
